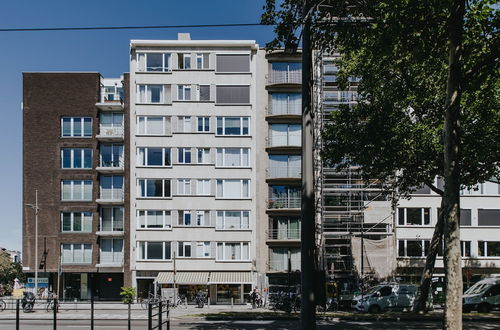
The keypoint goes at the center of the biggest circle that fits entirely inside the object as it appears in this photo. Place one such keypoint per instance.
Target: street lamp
(36, 208)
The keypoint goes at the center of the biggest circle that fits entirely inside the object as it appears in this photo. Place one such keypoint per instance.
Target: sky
(102, 51)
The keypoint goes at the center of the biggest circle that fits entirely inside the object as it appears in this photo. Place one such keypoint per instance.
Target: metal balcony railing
(107, 97)
(285, 77)
(283, 234)
(111, 194)
(111, 258)
(118, 163)
(285, 141)
(280, 264)
(110, 131)
(288, 108)
(108, 225)
(284, 203)
(284, 172)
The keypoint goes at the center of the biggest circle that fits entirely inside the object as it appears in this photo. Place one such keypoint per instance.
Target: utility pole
(308, 257)
(35, 207)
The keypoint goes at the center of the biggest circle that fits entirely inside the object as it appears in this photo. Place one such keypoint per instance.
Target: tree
(9, 270)
(430, 88)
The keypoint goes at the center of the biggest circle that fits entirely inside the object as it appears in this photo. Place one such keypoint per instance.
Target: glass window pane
(66, 221)
(87, 127)
(155, 250)
(154, 62)
(77, 221)
(66, 127)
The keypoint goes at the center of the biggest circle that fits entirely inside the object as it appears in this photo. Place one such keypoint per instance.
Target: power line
(129, 27)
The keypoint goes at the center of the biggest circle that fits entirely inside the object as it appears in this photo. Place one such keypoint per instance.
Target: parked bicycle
(51, 305)
(3, 305)
(28, 301)
(285, 301)
(150, 300)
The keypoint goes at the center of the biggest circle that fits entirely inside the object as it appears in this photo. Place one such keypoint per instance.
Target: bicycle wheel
(28, 307)
(49, 306)
(2, 305)
(144, 303)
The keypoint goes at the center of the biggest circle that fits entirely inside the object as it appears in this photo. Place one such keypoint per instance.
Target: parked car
(482, 296)
(386, 297)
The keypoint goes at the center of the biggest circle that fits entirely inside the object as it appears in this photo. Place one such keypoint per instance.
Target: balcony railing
(108, 225)
(111, 258)
(284, 203)
(283, 234)
(107, 131)
(285, 77)
(290, 108)
(283, 141)
(111, 194)
(119, 163)
(280, 264)
(284, 172)
(111, 97)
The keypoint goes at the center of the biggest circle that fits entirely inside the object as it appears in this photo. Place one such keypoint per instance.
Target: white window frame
(182, 91)
(184, 151)
(242, 190)
(121, 157)
(205, 125)
(201, 218)
(224, 257)
(146, 184)
(184, 124)
(186, 57)
(165, 151)
(89, 218)
(118, 254)
(146, 251)
(73, 151)
(166, 62)
(181, 246)
(183, 216)
(223, 127)
(77, 121)
(203, 250)
(422, 216)
(203, 156)
(166, 214)
(112, 217)
(485, 249)
(221, 225)
(183, 186)
(405, 242)
(222, 151)
(165, 120)
(82, 185)
(82, 248)
(146, 88)
(203, 187)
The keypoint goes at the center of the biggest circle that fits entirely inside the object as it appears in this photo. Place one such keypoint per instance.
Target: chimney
(183, 36)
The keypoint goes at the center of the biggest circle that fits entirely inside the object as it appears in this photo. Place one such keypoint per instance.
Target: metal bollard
(186, 302)
(150, 316)
(160, 312)
(129, 325)
(55, 313)
(92, 313)
(17, 314)
(232, 302)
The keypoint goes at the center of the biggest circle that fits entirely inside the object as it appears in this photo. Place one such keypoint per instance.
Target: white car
(386, 297)
(482, 296)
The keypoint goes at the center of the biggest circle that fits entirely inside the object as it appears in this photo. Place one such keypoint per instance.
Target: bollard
(185, 302)
(91, 313)
(208, 302)
(160, 312)
(129, 325)
(150, 316)
(232, 302)
(17, 314)
(55, 313)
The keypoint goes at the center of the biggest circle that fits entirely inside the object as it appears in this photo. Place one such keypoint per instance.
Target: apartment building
(75, 133)
(193, 182)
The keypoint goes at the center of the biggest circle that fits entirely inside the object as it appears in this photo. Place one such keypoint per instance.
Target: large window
(153, 157)
(414, 216)
(154, 188)
(76, 127)
(202, 61)
(153, 125)
(76, 190)
(153, 94)
(111, 251)
(488, 217)
(153, 62)
(76, 253)
(184, 249)
(184, 93)
(203, 249)
(203, 155)
(112, 218)
(285, 135)
(184, 155)
(183, 186)
(233, 188)
(203, 124)
(413, 248)
(111, 187)
(233, 126)
(278, 259)
(154, 250)
(184, 124)
(194, 218)
(232, 94)
(154, 219)
(286, 73)
(488, 248)
(184, 61)
(112, 155)
(284, 197)
(286, 104)
(203, 187)
(284, 166)
(232, 251)
(233, 157)
(234, 219)
(76, 158)
(111, 120)
(286, 227)
(76, 222)
(233, 63)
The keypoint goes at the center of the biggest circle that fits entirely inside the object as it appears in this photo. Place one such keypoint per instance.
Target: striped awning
(230, 277)
(182, 278)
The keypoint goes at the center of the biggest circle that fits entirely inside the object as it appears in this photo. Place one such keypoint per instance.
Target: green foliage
(128, 295)
(10, 270)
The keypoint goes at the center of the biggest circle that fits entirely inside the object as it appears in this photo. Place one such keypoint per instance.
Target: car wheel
(374, 309)
(484, 308)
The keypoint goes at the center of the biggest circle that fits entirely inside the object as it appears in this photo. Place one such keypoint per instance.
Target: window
(465, 216)
(111, 187)
(155, 188)
(203, 249)
(153, 62)
(185, 218)
(285, 135)
(112, 218)
(76, 190)
(278, 259)
(488, 217)
(465, 248)
(202, 61)
(112, 93)
(231, 188)
(232, 94)
(183, 186)
(204, 92)
(76, 222)
(111, 251)
(184, 61)
(284, 197)
(284, 166)
(152, 125)
(286, 104)
(184, 155)
(232, 126)
(203, 155)
(76, 158)
(286, 227)
(413, 248)
(112, 155)
(233, 63)
(414, 216)
(184, 93)
(233, 157)
(488, 249)
(76, 253)
(202, 218)
(76, 127)
(203, 187)
(111, 120)
(154, 250)
(154, 219)
(233, 219)
(203, 124)
(232, 251)
(286, 73)
(184, 249)
(153, 94)
(153, 157)
(184, 124)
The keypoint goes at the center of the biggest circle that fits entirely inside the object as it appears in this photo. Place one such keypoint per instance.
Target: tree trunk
(451, 199)
(425, 283)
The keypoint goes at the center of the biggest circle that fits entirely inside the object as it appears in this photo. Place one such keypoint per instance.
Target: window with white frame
(184, 155)
(111, 187)
(153, 125)
(148, 250)
(285, 135)
(413, 248)
(153, 188)
(286, 104)
(76, 253)
(184, 124)
(488, 217)
(76, 222)
(153, 62)
(152, 94)
(233, 157)
(414, 216)
(111, 251)
(204, 92)
(76, 190)
(76, 158)
(488, 248)
(111, 218)
(202, 61)
(184, 61)
(184, 93)
(183, 186)
(154, 219)
(184, 249)
(76, 127)
(149, 156)
(185, 218)
(203, 155)
(203, 187)
(233, 188)
(232, 251)
(465, 249)
(202, 218)
(233, 126)
(203, 124)
(203, 249)
(233, 219)
(232, 94)
(111, 120)
(111, 155)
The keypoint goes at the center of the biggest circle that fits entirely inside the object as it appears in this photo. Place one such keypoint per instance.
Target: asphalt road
(232, 325)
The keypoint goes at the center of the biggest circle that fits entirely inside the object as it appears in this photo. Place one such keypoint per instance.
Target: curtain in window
(294, 135)
(77, 253)
(117, 250)
(106, 250)
(233, 219)
(67, 255)
(279, 103)
(155, 125)
(279, 134)
(245, 220)
(232, 157)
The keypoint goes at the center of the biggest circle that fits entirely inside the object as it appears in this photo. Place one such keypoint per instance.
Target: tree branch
(434, 188)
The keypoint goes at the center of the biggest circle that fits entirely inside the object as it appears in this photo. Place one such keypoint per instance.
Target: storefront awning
(182, 278)
(230, 277)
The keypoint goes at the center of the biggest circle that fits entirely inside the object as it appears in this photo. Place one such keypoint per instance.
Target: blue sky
(102, 51)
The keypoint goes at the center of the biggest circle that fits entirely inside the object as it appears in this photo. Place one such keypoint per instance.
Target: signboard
(43, 282)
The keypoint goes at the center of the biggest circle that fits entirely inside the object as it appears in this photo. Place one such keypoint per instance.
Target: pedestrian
(253, 296)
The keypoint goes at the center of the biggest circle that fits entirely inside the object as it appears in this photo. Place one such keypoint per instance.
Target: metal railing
(285, 77)
(111, 258)
(110, 131)
(290, 108)
(283, 234)
(284, 203)
(284, 172)
(112, 163)
(111, 194)
(283, 141)
(110, 97)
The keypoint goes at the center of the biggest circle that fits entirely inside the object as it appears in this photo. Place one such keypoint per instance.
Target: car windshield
(478, 288)
(374, 289)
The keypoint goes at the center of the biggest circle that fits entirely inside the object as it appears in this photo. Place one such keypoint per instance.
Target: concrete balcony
(111, 196)
(278, 172)
(107, 133)
(110, 102)
(276, 77)
(111, 166)
(284, 202)
(285, 236)
(290, 109)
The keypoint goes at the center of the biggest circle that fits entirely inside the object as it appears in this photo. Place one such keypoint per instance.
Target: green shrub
(128, 295)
